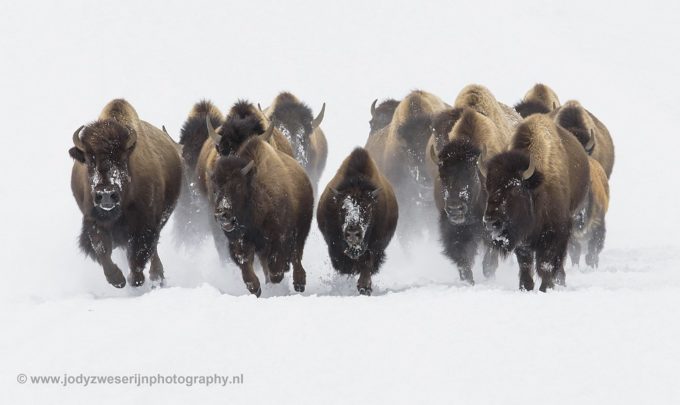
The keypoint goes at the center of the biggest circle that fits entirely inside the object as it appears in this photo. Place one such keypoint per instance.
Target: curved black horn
(373, 107)
(76, 138)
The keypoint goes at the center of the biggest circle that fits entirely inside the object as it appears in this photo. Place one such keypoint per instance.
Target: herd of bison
(532, 180)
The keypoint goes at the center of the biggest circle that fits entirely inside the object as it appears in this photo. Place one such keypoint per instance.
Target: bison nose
(456, 209)
(107, 198)
(492, 224)
(353, 236)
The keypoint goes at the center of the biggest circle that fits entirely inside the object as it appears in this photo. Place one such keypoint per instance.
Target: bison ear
(77, 154)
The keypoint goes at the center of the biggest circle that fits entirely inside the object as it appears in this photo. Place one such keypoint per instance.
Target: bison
(592, 133)
(480, 99)
(540, 99)
(470, 139)
(399, 151)
(295, 121)
(589, 226)
(534, 191)
(126, 180)
(357, 216)
(263, 202)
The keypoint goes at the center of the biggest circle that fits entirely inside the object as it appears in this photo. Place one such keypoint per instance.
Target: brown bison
(295, 121)
(589, 226)
(592, 133)
(263, 202)
(126, 179)
(540, 99)
(357, 216)
(534, 191)
(470, 139)
(381, 116)
(399, 151)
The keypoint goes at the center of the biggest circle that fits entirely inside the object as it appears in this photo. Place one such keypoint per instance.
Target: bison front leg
(550, 261)
(141, 246)
(365, 265)
(525, 259)
(596, 244)
(574, 251)
(156, 271)
(490, 262)
(243, 255)
(299, 273)
(97, 243)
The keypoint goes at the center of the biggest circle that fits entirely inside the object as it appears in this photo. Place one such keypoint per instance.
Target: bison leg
(596, 244)
(525, 259)
(550, 261)
(574, 251)
(264, 261)
(141, 247)
(97, 243)
(156, 271)
(221, 242)
(490, 262)
(243, 254)
(299, 273)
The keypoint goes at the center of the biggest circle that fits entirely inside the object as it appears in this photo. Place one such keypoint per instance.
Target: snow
(610, 336)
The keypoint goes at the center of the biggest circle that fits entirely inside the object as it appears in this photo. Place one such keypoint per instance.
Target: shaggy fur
(540, 99)
(589, 227)
(147, 176)
(194, 131)
(480, 99)
(383, 115)
(311, 149)
(360, 180)
(270, 207)
(580, 122)
(533, 216)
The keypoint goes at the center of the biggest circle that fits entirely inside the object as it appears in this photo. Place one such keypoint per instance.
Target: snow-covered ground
(610, 336)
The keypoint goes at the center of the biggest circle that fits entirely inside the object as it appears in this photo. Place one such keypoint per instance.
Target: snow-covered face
(509, 213)
(461, 188)
(356, 217)
(109, 180)
(299, 141)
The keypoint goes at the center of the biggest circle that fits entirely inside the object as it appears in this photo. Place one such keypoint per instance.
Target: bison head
(231, 181)
(414, 135)
(381, 116)
(104, 147)
(234, 132)
(356, 202)
(509, 216)
(295, 121)
(460, 170)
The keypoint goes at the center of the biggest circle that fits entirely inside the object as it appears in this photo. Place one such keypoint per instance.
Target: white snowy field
(610, 336)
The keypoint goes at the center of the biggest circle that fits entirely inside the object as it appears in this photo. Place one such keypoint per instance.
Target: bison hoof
(136, 278)
(276, 277)
(526, 285)
(117, 279)
(119, 284)
(158, 283)
(365, 290)
(299, 287)
(546, 285)
(255, 291)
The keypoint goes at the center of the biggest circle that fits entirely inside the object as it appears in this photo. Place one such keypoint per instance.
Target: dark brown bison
(263, 202)
(399, 151)
(540, 99)
(592, 133)
(469, 140)
(381, 116)
(534, 191)
(357, 216)
(589, 225)
(294, 120)
(126, 179)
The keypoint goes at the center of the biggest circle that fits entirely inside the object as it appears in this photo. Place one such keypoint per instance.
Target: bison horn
(481, 161)
(319, 118)
(268, 133)
(76, 138)
(259, 108)
(334, 190)
(526, 175)
(373, 107)
(247, 167)
(211, 132)
(165, 130)
(374, 193)
(132, 138)
(591, 142)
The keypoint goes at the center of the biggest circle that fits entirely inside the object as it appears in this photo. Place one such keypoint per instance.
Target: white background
(611, 336)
